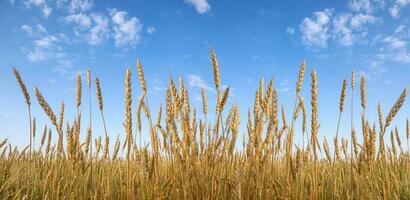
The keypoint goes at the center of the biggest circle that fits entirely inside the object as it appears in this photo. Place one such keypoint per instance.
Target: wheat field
(209, 157)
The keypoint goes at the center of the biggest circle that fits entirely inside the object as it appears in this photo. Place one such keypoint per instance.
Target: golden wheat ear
(217, 79)
(396, 107)
(22, 86)
(28, 103)
(78, 90)
(47, 109)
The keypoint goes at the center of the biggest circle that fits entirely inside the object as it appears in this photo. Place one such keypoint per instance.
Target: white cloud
(201, 6)
(283, 86)
(341, 30)
(345, 28)
(80, 19)
(399, 29)
(42, 4)
(27, 29)
(360, 20)
(196, 82)
(45, 42)
(79, 6)
(315, 31)
(36, 55)
(402, 56)
(158, 85)
(394, 11)
(151, 30)
(93, 28)
(366, 6)
(45, 46)
(126, 30)
(74, 6)
(394, 47)
(361, 5)
(100, 29)
(397, 5)
(378, 70)
(41, 29)
(395, 42)
(290, 30)
(36, 31)
(348, 28)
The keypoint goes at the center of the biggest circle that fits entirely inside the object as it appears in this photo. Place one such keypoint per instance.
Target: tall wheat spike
(314, 104)
(314, 129)
(215, 65)
(204, 102)
(28, 102)
(78, 91)
(143, 83)
(88, 76)
(304, 118)
(47, 109)
(396, 107)
(353, 133)
(101, 104)
(363, 92)
(300, 77)
(34, 131)
(128, 127)
(128, 114)
(380, 115)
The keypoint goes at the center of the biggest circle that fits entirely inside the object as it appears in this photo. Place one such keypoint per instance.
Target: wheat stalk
(300, 77)
(215, 65)
(78, 91)
(128, 127)
(47, 109)
(363, 92)
(396, 107)
(204, 102)
(141, 78)
(28, 102)
(314, 128)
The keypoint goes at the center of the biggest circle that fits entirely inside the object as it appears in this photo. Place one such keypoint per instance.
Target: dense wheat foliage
(193, 155)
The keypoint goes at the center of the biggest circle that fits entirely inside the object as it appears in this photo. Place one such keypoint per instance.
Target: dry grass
(192, 157)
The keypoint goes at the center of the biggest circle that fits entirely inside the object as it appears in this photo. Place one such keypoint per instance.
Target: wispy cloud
(80, 19)
(201, 6)
(348, 28)
(100, 31)
(290, 30)
(43, 5)
(38, 30)
(74, 6)
(36, 55)
(366, 6)
(27, 29)
(315, 30)
(284, 86)
(397, 6)
(196, 82)
(46, 42)
(48, 47)
(344, 28)
(396, 45)
(151, 30)
(126, 29)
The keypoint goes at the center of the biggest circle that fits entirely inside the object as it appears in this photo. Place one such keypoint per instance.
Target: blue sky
(51, 41)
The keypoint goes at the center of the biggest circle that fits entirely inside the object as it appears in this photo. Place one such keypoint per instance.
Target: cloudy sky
(51, 41)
